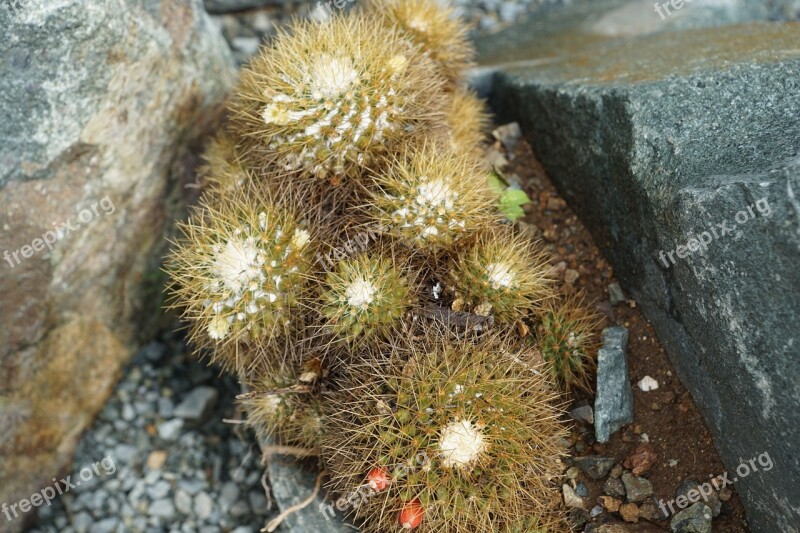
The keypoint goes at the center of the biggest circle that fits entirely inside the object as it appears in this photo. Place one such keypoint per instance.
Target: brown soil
(666, 416)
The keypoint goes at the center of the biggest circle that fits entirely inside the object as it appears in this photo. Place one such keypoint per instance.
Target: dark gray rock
(292, 483)
(583, 414)
(613, 407)
(197, 404)
(594, 466)
(657, 139)
(705, 493)
(637, 489)
(615, 294)
(695, 519)
(614, 488)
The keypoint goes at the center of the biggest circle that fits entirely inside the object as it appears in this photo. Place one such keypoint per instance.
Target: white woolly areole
(237, 264)
(419, 24)
(430, 210)
(300, 239)
(271, 403)
(238, 274)
(360, 293)
(461, 444)
(435, 193)
(500, 275)
(331, 76)
(218, 328)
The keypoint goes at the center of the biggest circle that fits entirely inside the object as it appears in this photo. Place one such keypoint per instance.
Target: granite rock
(660, 135)
(102, 108)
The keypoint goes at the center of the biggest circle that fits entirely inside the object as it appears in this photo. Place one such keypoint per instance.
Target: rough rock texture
(101, 108)
(293, 484)
(695, 519)
(655, 139)
(613, 407)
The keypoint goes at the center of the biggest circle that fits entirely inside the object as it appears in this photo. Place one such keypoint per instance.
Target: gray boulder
(102, 107)
(679, 149)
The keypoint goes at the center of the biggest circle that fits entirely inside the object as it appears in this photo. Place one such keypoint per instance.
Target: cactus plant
(435, 27)
(431, 197)
(568, 340)
(503, 274)
(281, 404)
(326, 100)
(222, 168)
(239, 269)
(467, 121)
(365, 296)
(468, 431)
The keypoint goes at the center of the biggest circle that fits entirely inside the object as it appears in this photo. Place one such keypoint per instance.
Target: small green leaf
(511, 200)
(497, 184)
(511, 203)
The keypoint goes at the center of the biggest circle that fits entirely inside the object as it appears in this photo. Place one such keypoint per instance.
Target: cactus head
(433, 197)
(467, 121)
(568, 340)
(239, 269)
(434, 27)
(502, 274)
(281, 404)
(222, 168)
(365, 296)
(468, 432)
(327, 99)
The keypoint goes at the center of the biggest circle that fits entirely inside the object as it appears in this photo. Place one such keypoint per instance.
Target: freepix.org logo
(104, 467)
(49, 238)
(698, 242)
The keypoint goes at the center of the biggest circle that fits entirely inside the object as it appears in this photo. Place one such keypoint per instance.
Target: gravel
(211, 473)
(246, 28)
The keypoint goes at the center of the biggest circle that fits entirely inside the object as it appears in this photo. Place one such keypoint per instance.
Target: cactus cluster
(568, 341)
(347, 211)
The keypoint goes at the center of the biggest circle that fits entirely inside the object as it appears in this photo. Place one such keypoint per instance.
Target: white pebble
(647, 384)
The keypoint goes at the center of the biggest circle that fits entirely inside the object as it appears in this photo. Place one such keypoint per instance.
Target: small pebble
(171, 429)
(571, 499)
(615, 294)
(156, 459)
(695, 519)
(163, 509)
(197, 404)
(629, 512)
(571, 276)
(183, 502)
(637, 489)
(610, 504)
(508, 134)
(648, 384)
(583, 414)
